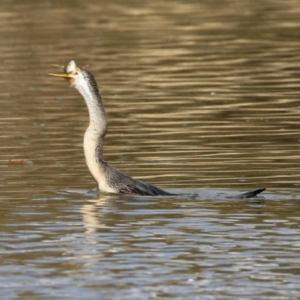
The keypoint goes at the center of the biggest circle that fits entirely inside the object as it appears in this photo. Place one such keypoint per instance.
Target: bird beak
(68, 76)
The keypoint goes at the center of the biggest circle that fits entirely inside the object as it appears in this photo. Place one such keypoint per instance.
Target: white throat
(95, 133)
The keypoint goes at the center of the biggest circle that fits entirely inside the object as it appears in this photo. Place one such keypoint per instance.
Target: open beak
(69, 77)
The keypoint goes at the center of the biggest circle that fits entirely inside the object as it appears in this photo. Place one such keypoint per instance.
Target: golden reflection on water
(198, 94)
(194, 103)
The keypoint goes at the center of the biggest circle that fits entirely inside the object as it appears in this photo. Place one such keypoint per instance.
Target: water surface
(202, 99)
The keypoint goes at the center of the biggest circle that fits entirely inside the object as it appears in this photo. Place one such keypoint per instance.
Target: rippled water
(202, 99)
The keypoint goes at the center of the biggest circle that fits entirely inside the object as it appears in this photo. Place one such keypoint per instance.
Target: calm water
(202, 99)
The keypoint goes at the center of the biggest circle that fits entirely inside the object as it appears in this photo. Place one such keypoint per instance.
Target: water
(202, 100)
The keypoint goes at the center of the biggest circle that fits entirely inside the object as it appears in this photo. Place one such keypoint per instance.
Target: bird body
(109, 179)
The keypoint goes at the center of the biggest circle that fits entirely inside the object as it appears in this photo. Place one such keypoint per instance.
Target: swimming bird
(109, 179)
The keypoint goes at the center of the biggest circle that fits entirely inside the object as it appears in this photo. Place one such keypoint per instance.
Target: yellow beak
(69, 77)
(66, 76)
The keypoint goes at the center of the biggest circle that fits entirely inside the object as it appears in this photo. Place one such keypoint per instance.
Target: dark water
(202, 99)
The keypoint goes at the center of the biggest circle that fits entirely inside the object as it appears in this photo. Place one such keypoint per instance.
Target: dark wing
(249, 194)
(143, 188)
(125, 184)
(146, 189)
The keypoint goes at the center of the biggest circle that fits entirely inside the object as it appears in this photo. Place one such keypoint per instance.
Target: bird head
(72, 73)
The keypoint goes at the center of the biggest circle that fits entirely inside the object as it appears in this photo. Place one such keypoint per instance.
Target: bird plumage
(109, 179)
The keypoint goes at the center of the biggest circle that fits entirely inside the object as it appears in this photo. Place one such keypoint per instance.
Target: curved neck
(98, 122)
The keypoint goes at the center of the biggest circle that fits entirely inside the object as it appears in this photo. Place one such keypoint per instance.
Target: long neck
(98, 122)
